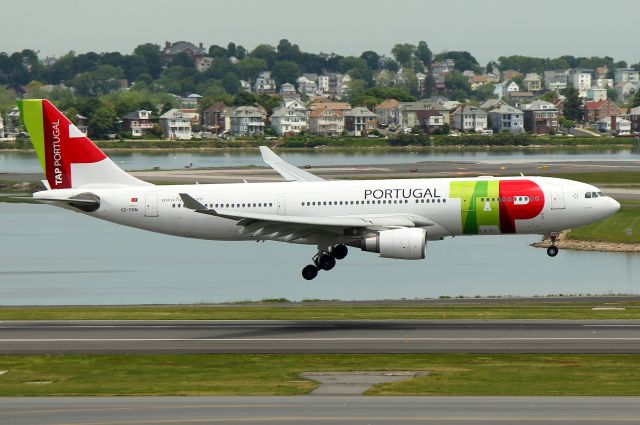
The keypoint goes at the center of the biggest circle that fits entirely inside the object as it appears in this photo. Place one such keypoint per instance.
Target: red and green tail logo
(57, 141)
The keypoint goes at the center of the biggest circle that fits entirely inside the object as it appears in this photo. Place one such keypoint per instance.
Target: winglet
(289, 171)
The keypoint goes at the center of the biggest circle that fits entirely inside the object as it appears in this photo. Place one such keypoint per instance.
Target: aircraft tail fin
(67, 156)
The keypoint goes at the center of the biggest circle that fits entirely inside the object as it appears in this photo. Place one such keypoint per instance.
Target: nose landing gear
(324, 260)
(552, 251)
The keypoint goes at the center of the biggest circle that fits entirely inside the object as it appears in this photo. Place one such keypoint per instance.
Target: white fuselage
(563, 204)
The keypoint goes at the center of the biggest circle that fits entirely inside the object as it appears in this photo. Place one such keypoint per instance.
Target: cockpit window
(601, 194)
(587, 195)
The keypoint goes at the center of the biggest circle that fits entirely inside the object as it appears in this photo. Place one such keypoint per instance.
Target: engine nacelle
(404, 244)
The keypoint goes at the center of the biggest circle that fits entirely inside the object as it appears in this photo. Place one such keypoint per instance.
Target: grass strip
(321, 311)
(622, 227)
(250, 374)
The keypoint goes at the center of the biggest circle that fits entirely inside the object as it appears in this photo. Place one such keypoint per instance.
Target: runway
(349, 336)
(319, 410)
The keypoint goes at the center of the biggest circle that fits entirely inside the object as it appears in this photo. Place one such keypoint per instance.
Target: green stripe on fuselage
(478, 204)
(32, 117)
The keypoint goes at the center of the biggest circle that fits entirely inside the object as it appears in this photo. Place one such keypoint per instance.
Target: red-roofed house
(595, 111)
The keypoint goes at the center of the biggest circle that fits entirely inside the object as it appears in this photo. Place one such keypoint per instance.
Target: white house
(323, 84)
(1, 128)
(288, 91)
(581, 81)
(469, 118)
(622, 75)
(326, 122)
(615, 125)
(307, 86)
(247, 121)
(596, 94)
(264, 83)
(175, 125)
(503, 89)
(289, 119)
(507, 118)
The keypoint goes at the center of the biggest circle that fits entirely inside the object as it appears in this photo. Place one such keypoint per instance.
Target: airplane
(394, 218)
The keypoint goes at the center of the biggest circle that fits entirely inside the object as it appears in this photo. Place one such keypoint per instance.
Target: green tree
(550, 96)
(152, 56)
(104, 121)
(463, 60)
(183, 60)
(231, 50)
(423, 53)
(285, 72)
(231, 83)
(403, 53)
(7, 99)
(264, 52)
(371, 58)
(635, 102)
(216, 51)
(355, 89)
(429, 85)
(457, 85)
(573, 109)
(241, 52)
(250, 67)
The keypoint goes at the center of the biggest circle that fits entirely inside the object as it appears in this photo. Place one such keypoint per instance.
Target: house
(13, 126)
(326, 122)
(442, 67)
(359, 121)
(532, 82)
(217, 118)
(323, 103)
(245, 85)
(510, 74)
(195, 53)
(288, 91)
(409, 113)
(307, 86)
(1, 128)
(626, 90)
(595, 111)
(137, 123)
(603, 83)
(622, 75)
(556, 79)
(614, 125)
(82, 123)
(491, 104)
(503, 89)
(507, 118)
(203, 63)
(264, 83)
(289, 119)
(634, 117)
(541, 117)
(247, 121)
(469, 118)
(478, 81)
(322, 82)
(189, 102)
(388, 113)
(596, 94)
(517, 98)
(175, 125)
(430, 120)
(581, 81)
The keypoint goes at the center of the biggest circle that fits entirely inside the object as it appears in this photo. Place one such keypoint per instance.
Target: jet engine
(404, 244)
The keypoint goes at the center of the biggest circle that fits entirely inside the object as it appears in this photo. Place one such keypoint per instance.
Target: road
(319, 410)
(401, 336)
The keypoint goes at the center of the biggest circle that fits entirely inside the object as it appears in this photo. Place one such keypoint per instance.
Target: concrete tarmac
(319, 410)
(349, 336)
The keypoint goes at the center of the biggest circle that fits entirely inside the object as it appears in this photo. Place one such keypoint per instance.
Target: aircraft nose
(613, 206)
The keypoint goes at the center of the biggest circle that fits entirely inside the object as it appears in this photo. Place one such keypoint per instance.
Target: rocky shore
(564, 243)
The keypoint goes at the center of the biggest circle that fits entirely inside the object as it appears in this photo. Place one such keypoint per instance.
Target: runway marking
(611, 326)
(372, 339)
(349, 419)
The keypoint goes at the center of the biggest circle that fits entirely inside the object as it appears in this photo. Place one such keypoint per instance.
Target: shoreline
(586, 245)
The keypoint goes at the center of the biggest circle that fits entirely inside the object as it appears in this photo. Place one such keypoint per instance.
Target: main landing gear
(552, 251)
(324, 260)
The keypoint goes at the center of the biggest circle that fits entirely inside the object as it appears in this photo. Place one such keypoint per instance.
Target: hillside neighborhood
(377, 96)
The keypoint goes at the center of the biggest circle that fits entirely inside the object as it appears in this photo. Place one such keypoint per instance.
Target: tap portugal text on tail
(394, 218)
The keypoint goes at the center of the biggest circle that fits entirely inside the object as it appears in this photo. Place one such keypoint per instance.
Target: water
(26, 162)
(50, 256)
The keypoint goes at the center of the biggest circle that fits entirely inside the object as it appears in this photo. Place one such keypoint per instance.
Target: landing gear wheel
(310, 272)
(552, 251)
(339, 251)
(326, 262)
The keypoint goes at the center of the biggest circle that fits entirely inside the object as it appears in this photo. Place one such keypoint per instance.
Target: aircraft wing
(289, 171)
(289, 225)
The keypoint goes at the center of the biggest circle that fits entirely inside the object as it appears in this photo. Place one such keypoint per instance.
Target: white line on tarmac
(311, 339)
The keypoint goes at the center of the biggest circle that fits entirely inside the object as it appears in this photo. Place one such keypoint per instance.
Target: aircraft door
(151, 205)
(282, 205)
(557, 198)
